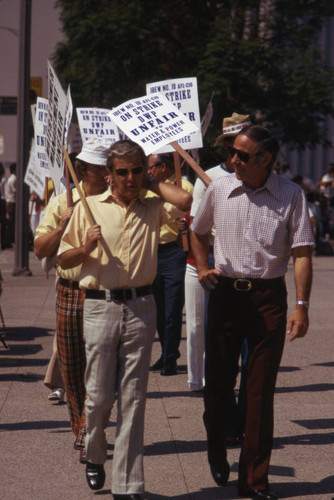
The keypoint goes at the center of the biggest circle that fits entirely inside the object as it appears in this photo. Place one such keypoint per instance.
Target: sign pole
(191, 162)
(177, 167)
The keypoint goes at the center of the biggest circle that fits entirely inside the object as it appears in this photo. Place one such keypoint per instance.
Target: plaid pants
(71, 355)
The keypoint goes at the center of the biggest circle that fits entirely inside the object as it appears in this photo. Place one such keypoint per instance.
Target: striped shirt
(255, 229)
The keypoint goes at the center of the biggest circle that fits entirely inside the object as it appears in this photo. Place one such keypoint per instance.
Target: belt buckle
(242, 285)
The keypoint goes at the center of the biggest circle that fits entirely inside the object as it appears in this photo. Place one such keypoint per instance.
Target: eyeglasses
(244, 157)
(154, 165)
(123, 172)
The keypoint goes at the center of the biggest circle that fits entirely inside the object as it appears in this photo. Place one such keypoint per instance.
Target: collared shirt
(200, 188)
(255, 229)
(169, 232)
(130, 236)
(52, 217)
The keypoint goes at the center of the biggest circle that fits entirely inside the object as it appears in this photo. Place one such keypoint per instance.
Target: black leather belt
(118, 294)
(69, 283)
(248, 284)
(164, 246)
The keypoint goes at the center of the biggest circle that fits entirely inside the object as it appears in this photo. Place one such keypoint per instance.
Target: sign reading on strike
(152, 122)
(95, 122)
(183, 93)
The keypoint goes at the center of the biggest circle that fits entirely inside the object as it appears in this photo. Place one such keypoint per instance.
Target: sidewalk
(37, 459)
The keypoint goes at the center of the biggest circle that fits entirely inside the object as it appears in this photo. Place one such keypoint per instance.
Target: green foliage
(259, 57)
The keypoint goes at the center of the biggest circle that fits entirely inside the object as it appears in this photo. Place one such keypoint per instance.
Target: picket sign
(152, 122)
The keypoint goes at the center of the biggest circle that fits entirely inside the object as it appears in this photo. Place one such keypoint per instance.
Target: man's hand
(298, 323)
(65, 218)
(92, 237)
(208, 278)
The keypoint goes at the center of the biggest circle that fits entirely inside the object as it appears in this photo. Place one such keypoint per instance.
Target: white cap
(94, 151)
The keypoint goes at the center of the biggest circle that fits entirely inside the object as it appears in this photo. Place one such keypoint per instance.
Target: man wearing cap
(260, 219)
(195, 297)
(168, 286)
(91, 168)
(119, 308)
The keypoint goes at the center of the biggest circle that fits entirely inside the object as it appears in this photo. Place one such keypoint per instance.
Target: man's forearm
(72, 258)
(173, 194)
(303, 272)
(47, 244)
(200, 248)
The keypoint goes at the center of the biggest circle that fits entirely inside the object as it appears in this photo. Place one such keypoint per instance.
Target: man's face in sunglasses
(248, 166)
(127, 177)
(156, 169)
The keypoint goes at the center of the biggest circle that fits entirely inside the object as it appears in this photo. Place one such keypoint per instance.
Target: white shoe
(56, 395)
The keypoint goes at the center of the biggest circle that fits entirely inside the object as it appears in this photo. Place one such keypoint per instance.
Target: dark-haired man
(119, 309)
(168, 286)
(260, 218)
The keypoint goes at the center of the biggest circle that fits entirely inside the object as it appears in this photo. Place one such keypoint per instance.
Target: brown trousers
(260, 316)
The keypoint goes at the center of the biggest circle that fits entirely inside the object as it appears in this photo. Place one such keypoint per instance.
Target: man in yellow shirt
(119, 309)
(168, 286)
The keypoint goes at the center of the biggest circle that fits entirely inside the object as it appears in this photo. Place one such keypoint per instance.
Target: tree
(263, 58)
(114, 48)
(259, 57)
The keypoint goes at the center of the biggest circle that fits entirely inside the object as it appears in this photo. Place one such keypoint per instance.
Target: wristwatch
(304, 303)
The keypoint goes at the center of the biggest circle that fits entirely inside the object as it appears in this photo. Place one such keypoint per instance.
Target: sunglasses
(154, 165)
(123, 172)
(244, 157)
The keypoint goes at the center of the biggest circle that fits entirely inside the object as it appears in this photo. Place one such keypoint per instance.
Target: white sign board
(68, 115)
(95, 122)
(152, 122)
(207, 118)
(56, 126)
(74, 138)
(35, 175)
(40, 127)
(183, 93)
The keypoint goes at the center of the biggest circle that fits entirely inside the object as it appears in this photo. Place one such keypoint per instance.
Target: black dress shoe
(95, 476)
(169, 368)
(133, 496)
(158, 365)
(257, 494)
(220, 473)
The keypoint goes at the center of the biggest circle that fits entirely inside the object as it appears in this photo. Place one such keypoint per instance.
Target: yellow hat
(232, 126)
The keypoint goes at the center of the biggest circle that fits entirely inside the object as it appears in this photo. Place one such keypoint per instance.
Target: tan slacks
(118, 340)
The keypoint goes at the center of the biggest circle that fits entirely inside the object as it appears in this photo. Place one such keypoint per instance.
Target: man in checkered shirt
(260, 219)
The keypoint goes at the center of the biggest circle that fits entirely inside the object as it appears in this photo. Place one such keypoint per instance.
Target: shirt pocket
(271, 233)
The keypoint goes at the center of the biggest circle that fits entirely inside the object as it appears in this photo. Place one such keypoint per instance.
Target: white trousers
(118, 341)
(195, 311)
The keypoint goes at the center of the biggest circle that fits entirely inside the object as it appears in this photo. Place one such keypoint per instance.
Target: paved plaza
(37, 459)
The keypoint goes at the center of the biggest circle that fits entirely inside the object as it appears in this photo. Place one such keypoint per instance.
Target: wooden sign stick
(68, 187)
(81, 194)
(177, 166)
(192, 163)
